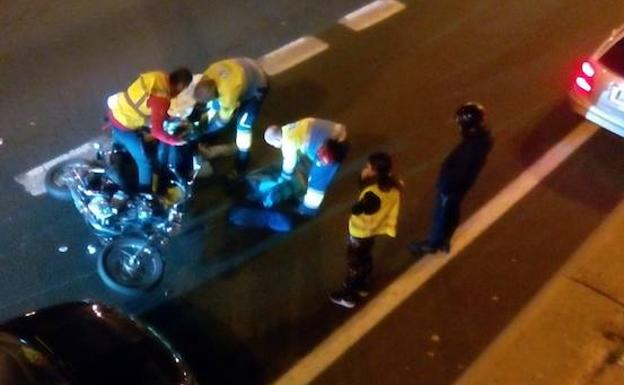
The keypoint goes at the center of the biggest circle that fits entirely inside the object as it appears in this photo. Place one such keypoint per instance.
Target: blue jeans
(445, 219)
(176, 159)
(132, 141)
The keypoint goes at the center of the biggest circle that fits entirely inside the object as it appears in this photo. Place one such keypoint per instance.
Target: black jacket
(462, 166)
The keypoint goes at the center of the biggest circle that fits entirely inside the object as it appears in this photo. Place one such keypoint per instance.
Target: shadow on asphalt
(592, 184)
(559, 121)
(210, 348)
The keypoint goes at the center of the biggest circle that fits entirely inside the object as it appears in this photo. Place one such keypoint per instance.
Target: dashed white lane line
(33, 180)
(343, 338)
(292, 54)
(371, 14)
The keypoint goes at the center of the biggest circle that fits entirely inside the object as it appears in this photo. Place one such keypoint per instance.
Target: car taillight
(583, 84)
(588, 69)
(584, 80)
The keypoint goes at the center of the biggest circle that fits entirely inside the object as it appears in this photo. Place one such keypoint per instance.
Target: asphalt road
(243, 306)
(58, 62)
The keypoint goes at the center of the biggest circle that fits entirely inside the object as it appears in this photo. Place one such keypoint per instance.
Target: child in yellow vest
(375, 213)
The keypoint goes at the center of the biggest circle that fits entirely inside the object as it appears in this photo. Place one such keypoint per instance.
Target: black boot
(242, 162)
(422, 248)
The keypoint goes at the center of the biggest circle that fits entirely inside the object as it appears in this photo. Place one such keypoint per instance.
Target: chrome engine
(111, 211)
(101, 208)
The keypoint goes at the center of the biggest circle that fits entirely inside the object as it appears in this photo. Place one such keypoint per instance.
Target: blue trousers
(321, 176)
(132, 141)
(246, 116)
(177, 160)
(445, 219)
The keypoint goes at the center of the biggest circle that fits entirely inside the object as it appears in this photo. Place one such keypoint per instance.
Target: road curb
(572, 332)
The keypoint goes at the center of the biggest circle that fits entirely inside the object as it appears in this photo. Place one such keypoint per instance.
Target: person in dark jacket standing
(375, 213)
(457, 175)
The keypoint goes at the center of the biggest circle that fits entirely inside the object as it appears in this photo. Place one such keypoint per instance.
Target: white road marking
(33, 180)
(292, 54)
(343, 338)
(371, 14)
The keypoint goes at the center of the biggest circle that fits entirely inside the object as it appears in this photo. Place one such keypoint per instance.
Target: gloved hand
(171, 125)
(266, 185)
(212, 108)
(178, 128)
(272, 197)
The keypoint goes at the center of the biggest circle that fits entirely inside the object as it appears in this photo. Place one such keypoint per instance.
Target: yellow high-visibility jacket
(237, 80)
(130, 107)
(305, 136)
(383, 221)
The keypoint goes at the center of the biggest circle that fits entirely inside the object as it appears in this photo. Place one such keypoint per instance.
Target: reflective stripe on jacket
(130, 108)
(305, 136)
(237, 80)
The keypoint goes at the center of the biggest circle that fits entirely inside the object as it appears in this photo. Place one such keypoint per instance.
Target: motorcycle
(132, 227)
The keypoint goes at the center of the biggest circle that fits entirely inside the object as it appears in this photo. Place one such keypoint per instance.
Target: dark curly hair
(181, 76)
(381, 162)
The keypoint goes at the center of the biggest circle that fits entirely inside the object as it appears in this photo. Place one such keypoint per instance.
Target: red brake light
(588, 69)
(585, 78)
(583, 84)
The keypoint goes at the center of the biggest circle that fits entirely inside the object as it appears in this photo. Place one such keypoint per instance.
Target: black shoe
(363, 289)
(343, 298)
(421, 248)
(362, 292)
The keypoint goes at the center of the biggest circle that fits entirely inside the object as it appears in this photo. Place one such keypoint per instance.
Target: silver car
(598, 90)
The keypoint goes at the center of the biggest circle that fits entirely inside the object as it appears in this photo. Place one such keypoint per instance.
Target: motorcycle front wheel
(130, 265)
(55, 181)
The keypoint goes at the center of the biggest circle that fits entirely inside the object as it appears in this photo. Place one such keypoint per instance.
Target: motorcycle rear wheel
(55, 181)
(130, 265)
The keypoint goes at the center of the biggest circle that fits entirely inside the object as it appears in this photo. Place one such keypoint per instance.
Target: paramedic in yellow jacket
(319, 143)
(144, 104)
(375, 213)
(233, 88)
